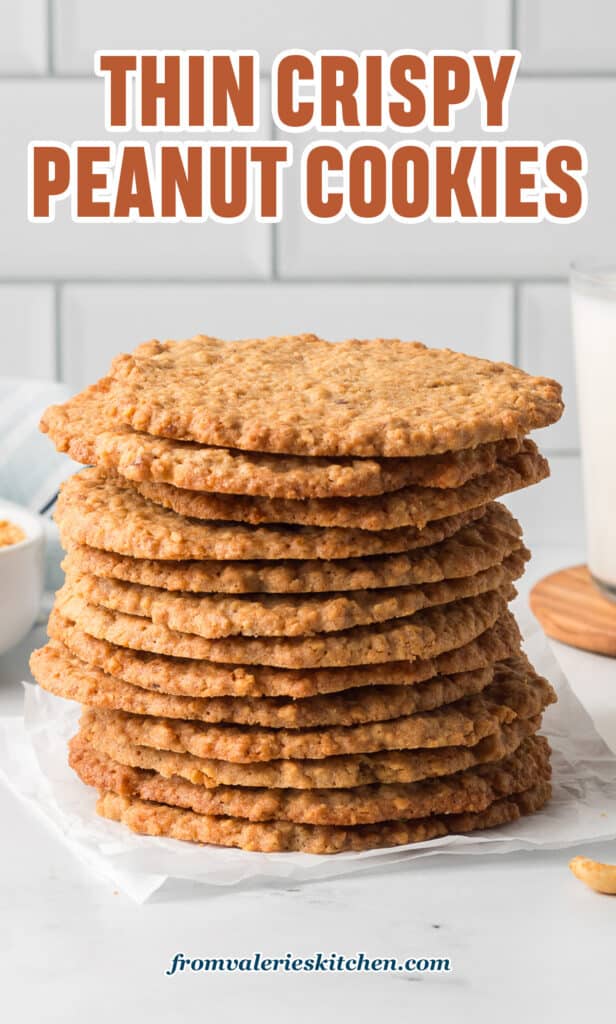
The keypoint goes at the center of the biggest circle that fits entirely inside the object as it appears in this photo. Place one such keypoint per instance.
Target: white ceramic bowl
(22, 568)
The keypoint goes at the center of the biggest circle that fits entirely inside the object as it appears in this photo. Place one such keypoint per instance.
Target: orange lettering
(133, 189)
(88, 180)
(339, 81)
(167, 89)
(51, 172)
(516, 180)
(118, 68)
(452, 83)
(559, 161)
(412, 112)
(320, 202)
(185, 179)
(494, 86)
(291, 69)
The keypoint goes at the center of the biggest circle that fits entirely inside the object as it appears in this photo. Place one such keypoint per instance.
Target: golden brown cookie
(84, 428)
(103, 513)
(280, 615)
(517, 691)
(190, 678)
(410, 506)
(423, 635)
(341, 771)
(472, 790)
(310, 397)
(61, 673)
(153, 819)
(476, 546)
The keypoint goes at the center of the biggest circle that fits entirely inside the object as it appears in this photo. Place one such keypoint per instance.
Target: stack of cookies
(286, 602)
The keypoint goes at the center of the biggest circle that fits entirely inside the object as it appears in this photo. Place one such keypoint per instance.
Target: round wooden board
(571, 609)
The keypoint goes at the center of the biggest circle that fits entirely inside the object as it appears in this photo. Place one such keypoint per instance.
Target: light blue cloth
(31, 471)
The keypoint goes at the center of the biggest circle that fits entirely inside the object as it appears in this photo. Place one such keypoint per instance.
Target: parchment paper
(33, 763)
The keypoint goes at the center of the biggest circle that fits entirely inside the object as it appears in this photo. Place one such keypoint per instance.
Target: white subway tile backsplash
(23, 37)
(274, 26)
(100, 321)
(27, 326)
(365, 267)
(70, 111)
(562, 35)
(546, 348)
(542, 109)
(552, 512)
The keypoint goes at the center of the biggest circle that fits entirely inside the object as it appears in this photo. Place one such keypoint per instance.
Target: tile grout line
(50, 40)
(516, 323)
(57, 327)
(549, 74)
(287, 280)
(574, 74)
(274, 240)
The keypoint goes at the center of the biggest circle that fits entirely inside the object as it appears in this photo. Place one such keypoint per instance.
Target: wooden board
(571, 609)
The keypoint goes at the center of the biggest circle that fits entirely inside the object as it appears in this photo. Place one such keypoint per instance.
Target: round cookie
(423, 635)
(107, 514)
(191, 678)
(516, 692)
(472, 790)
(306, 396)
(341, 771)
(64, 675)
(410, 506)
(215, 616)
(476, 546)
(84, 428)
(154, 819)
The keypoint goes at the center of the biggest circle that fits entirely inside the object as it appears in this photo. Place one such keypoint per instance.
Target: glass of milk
(593, 298)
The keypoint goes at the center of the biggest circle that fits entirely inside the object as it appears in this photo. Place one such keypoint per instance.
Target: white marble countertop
(524, 938)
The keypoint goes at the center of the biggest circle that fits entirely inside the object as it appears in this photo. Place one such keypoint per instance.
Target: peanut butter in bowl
(10, 533)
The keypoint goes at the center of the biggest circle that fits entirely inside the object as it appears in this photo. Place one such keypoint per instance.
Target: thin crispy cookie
(153, 819)
(216, 616)
(470, 791)
(310, 397)
(64, 675)
(516, 692)
(476, 546)
(84, 428)
(190, 678)
(104, 513)
(411, 506)
(344, 771)
(424, 635)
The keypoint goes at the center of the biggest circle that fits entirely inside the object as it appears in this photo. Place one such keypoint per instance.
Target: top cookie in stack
(286, 599)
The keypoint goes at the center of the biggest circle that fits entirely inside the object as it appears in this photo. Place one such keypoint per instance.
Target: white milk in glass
(593, 295)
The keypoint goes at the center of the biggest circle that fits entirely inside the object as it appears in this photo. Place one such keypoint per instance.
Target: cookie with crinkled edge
(474, 547)
(344, 771)
(517, 691)
(216, 616)
(472, 790)
(61, 673)
(307, 396)
(190, 678)
(410, 506)
(84, 429)
(107, 514)
(153, 819)
(423, 635)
